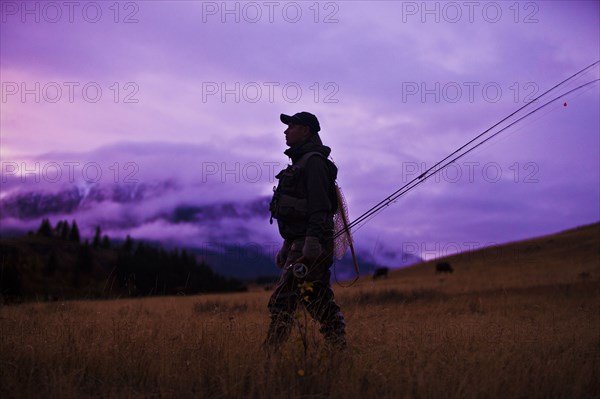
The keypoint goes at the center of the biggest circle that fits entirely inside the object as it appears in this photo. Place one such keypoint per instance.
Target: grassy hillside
(568, 257)
(517, 321)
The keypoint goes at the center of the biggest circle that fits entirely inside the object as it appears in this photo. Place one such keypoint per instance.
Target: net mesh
(340, 221)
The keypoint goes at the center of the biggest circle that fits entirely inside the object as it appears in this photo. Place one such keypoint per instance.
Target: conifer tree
(128, 245)
(97, 237)
(45, 229)
(64, 230)
(74, 234)
(105, 242)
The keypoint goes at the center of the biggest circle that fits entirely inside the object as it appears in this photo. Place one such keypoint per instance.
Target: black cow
(381, 272)
(443, 267)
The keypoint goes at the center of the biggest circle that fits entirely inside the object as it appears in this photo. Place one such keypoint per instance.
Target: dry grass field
(517, 321)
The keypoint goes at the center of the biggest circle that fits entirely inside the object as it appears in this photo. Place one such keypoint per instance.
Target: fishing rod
(426, 175)
(464, 150)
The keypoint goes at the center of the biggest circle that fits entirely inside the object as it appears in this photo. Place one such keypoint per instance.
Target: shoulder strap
(302, 163)
(304, 159)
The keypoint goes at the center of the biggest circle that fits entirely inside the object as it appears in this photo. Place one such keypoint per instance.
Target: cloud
(393, 90)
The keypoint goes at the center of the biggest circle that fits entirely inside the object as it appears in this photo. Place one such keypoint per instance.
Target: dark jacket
(314, 184)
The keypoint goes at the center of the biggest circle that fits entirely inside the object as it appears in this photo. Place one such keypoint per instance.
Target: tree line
(56, 263)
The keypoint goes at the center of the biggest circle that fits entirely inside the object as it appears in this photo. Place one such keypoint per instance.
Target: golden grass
(495, 328)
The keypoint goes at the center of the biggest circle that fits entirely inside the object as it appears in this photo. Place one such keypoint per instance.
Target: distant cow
(381, 272)
(443, 267)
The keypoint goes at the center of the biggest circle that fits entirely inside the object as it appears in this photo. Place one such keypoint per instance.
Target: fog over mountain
(168, 193)
(161, 192)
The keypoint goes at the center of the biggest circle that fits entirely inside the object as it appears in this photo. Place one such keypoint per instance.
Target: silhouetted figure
(303, 204)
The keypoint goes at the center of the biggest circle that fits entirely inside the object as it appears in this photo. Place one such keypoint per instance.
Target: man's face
(296, 134)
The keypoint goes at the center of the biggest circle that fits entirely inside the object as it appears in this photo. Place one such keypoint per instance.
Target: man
(303, 204)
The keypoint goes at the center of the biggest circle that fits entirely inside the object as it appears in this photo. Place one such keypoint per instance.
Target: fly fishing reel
(299, 270)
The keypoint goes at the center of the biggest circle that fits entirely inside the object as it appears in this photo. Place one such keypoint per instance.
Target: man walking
(304, 203)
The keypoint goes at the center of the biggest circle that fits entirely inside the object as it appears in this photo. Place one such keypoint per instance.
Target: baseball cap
(302, 118)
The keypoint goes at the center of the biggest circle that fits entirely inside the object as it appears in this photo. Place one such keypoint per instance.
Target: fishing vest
(289, 202)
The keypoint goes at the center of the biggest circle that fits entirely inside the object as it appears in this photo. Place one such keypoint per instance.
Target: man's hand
(311, 250)
(282, 255)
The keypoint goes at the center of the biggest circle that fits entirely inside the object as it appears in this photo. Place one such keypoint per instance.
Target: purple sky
(395, 85)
